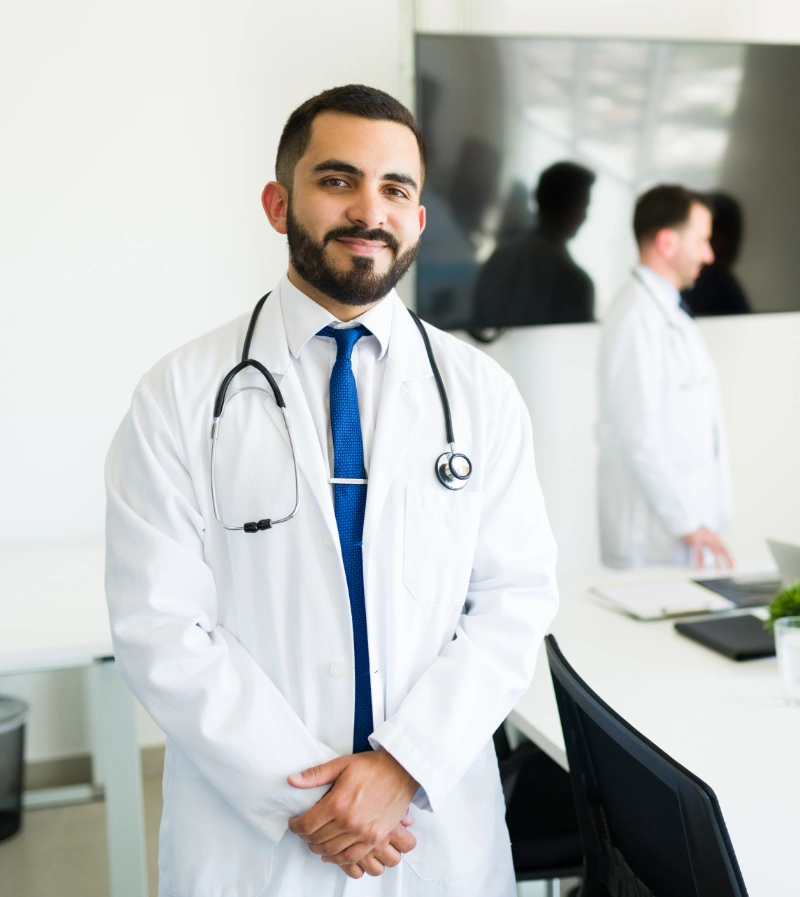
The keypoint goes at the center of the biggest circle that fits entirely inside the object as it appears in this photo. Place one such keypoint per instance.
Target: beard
(359, 285)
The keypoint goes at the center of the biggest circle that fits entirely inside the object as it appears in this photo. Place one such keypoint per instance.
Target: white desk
(724, 721)
(55, 599)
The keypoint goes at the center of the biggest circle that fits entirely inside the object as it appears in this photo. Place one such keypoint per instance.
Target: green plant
(785, 604)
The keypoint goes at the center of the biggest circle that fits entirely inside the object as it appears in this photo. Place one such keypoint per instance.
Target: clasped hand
(361, 824)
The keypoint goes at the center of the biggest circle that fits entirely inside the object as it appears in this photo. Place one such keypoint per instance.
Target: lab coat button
(338, 669)
(328, 540)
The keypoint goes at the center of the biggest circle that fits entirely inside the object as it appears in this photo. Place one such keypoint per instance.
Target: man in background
(663, 482)
(532, 279)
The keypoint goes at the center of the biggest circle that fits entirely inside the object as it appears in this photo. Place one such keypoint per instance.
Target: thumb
(323, 774)
(407, 820)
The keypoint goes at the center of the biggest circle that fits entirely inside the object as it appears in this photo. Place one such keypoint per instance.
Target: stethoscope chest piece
(453, 470)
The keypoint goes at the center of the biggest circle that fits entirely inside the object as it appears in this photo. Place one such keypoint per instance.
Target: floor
(62, 851)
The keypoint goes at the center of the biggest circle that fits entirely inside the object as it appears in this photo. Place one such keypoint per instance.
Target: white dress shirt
(314, 356)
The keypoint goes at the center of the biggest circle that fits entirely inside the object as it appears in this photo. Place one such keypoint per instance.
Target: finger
(353, 854)
(333, 846)
(337, 824)
(372, 866)
(319, 816)
(402, 840)
(386, 854)
(353, 870)
(721, 556)
(727, 555)
(323, 774)
(408, 819)
(698, 556)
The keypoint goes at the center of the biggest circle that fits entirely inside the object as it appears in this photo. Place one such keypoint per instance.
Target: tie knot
(346, 338)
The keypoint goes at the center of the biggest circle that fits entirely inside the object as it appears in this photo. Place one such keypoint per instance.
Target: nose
(368, 209)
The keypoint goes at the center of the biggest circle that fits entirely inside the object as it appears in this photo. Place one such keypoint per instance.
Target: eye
(397, 191)
(334, 182)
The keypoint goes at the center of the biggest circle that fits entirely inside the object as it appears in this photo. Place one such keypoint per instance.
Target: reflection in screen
(509, 243)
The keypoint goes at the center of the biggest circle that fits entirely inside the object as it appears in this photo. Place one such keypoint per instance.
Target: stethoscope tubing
(452, 476)
(448, 420)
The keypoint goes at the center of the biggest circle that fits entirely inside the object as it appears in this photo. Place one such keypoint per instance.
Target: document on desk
(657, 599)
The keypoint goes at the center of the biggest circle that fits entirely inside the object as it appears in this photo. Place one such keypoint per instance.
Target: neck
(339, 310)
(655, 262)
(551, 233)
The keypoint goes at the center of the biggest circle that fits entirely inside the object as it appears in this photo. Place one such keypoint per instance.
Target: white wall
(136, 139)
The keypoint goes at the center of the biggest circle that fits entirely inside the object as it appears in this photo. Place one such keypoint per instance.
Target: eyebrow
(346, 168)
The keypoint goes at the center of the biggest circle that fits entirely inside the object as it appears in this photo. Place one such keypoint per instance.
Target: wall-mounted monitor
(540, 146)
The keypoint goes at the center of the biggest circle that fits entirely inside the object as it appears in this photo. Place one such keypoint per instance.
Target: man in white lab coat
(256, 650)
(663, 482)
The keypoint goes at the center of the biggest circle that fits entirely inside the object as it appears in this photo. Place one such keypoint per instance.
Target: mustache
(363, 233)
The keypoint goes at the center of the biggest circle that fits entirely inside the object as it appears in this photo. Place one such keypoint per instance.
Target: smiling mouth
(361, 247)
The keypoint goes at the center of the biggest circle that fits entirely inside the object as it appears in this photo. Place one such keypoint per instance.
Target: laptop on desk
(756, 591)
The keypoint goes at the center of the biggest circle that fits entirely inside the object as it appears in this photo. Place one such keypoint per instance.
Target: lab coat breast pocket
(205, 848)
(441, 530)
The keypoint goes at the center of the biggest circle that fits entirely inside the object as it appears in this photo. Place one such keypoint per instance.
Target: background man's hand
(703, 538)
(370, 796)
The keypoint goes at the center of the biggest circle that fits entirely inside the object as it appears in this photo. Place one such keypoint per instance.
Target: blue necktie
(350, 501)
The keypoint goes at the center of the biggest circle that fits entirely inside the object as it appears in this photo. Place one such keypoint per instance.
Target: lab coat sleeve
(632, 365)
(197, 681)
(452, 710)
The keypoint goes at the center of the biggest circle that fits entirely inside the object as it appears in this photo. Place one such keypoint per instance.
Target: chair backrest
(649, 827)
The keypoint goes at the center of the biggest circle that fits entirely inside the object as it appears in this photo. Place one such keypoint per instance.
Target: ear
(423, 218)
(275, 200)
(665, 242)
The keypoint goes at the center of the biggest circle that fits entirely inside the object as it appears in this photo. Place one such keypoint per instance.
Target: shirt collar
(304, 318)
(663, 289)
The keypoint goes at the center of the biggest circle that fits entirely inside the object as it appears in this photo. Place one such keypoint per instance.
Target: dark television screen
(539, 147)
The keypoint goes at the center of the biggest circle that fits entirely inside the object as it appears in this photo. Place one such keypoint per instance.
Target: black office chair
(540, 814)
(649, 827)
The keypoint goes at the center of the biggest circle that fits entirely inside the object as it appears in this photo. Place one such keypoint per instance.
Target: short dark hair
(667, 205)
(563, 185)
(352, 99)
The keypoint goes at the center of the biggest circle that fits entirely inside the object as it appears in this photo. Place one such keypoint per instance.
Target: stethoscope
(452, 468)
(693, 379)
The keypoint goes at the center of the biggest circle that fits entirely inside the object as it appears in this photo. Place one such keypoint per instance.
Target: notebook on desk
(742, 637)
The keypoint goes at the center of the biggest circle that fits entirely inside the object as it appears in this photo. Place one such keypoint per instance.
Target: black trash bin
(13, 713)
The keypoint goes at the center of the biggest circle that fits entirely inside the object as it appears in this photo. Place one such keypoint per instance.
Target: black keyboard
(755, 593)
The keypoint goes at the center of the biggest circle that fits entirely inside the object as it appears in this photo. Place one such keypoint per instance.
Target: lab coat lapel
(398, 414)
(271, 349)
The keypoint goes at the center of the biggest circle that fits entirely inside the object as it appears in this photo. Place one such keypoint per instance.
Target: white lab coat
(663, 461)
(240, 645)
